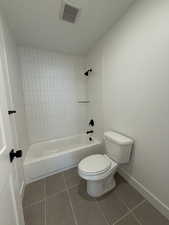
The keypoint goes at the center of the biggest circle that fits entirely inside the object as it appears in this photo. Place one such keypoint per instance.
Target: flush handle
(13, 154)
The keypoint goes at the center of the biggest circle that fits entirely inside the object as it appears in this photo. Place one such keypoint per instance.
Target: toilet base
(100, 187)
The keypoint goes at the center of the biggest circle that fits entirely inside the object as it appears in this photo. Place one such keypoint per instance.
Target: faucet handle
(91, 123)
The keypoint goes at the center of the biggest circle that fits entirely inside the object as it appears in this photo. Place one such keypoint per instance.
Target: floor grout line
(136, 208)
(139, 204)
(46, 197)
(99, 207)
(130, 211)
(55, 194)
(124, 203)
(122, 217)
(68, 188)
(73, 186)
(70, 201)
(138, 221)
(34, 203)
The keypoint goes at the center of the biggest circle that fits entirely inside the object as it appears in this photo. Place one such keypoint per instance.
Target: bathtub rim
(59, 139)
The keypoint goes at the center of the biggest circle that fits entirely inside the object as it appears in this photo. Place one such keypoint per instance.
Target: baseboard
(160, 206)
(21, 191)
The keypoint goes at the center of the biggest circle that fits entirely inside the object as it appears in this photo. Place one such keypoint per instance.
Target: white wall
(135, 73)
(52, 84)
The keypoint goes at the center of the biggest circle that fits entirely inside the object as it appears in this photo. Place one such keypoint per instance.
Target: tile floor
(61, 199)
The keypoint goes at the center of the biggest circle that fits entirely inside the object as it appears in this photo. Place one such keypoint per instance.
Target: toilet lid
(95, 164)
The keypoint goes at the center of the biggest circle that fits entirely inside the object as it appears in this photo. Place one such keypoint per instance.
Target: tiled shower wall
(53, 84)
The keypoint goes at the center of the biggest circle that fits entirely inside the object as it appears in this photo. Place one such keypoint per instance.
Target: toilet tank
(118, 147)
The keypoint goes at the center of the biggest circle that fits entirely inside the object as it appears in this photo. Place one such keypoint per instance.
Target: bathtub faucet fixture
(89, 131)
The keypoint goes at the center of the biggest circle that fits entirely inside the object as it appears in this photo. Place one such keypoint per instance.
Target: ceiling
(36, 23)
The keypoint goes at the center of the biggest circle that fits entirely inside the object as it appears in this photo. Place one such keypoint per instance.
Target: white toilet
(99, 170)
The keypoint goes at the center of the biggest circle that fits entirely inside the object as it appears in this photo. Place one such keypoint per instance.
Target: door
(10, 205)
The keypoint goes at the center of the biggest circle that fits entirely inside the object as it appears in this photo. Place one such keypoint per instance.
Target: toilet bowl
(99, 169)
(99, 172)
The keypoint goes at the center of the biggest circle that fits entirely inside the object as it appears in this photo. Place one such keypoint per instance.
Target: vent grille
(70, 13)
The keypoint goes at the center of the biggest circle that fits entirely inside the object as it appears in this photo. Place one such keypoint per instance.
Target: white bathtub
(53, 156)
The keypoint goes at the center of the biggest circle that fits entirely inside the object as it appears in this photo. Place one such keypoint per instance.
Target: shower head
(87, 72)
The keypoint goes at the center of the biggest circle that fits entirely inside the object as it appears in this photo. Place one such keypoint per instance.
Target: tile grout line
(34, 203)
(73, 186)
(122, 201)
(99, 207)
(43, 199)
(121, 218)
(135, 207)
(124, 204)
(55, 194)
(138, 221)
(67, 189)
(70, 201)
(130, 211)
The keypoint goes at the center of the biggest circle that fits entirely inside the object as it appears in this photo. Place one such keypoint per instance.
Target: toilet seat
(95, 164)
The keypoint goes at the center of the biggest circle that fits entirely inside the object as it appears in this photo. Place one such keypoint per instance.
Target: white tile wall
(95, 109)
(52, 85)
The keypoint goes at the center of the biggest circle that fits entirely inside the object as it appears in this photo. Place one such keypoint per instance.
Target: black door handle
(17, 154)
(11, 112)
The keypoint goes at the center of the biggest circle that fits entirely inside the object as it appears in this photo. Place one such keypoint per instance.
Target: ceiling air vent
(69, 13)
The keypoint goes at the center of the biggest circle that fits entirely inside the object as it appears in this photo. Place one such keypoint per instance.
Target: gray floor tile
(34, 215)
(148, 215)
(128, 194)
(86, 208)
(119, 179)
(112, 207)
(88, 211)
(128, 220)
(72, 178)
(34, 192)
(54, 183)
(58, 210)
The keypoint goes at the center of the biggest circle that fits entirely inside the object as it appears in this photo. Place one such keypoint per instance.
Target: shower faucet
(89, 131)
(87, 72)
